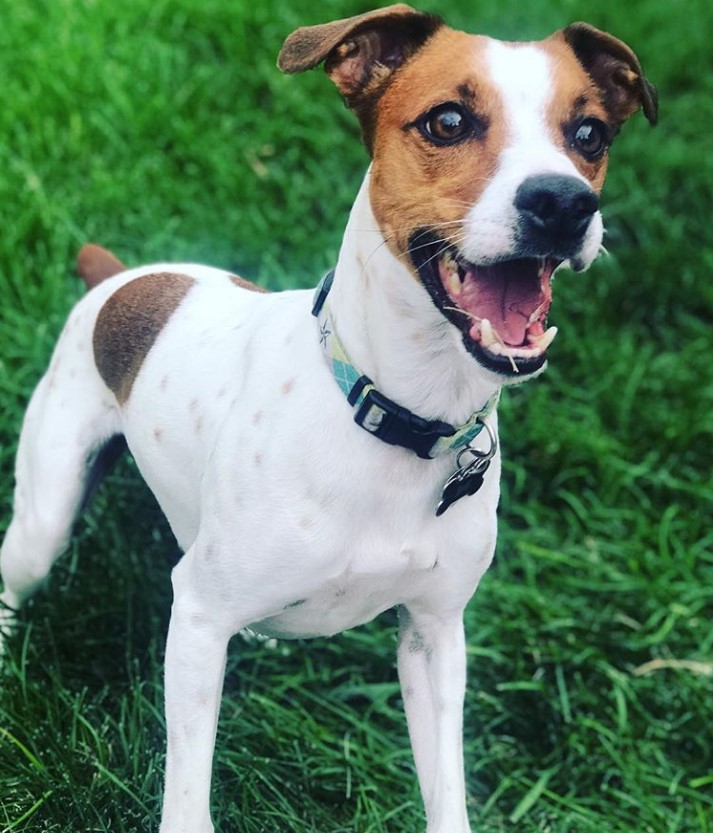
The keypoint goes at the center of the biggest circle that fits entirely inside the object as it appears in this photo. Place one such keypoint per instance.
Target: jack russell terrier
(321, 458)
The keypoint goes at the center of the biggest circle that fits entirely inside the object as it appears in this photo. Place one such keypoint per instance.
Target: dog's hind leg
(66, 435)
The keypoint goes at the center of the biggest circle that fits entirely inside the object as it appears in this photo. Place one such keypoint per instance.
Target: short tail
(95, 264)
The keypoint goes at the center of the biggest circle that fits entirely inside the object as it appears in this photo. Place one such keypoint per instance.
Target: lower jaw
(513, 366)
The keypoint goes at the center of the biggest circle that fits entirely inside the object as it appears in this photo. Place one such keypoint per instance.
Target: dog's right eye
(447, 124)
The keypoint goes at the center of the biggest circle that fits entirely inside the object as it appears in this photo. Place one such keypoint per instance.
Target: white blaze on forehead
(523, 76)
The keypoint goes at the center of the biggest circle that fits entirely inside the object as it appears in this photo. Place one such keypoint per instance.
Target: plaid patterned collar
(380, 415)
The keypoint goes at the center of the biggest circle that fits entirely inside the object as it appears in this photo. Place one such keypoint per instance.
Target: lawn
(163, 130)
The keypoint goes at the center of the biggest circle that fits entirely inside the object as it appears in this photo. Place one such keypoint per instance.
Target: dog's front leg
(194, 670)
(431, 660)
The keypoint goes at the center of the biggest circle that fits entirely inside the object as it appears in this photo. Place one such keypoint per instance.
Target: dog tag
(469, 476)
(464, 482)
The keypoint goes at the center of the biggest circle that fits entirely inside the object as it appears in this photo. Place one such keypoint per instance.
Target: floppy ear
(616, 70)
(360, 53)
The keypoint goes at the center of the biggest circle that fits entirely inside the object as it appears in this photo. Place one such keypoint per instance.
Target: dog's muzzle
(554, 213)
(500, 306)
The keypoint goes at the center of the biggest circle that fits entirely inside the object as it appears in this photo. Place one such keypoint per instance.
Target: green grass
(163, 130)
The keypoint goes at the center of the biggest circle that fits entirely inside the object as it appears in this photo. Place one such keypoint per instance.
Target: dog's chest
(363, 590)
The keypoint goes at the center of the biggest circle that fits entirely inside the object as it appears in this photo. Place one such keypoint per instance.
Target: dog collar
(380, 415)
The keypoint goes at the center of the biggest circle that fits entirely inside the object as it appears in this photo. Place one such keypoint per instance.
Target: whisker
(465, 312)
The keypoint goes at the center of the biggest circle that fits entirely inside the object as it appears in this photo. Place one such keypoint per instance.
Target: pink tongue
(507, 294)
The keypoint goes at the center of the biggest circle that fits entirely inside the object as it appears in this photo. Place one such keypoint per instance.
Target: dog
(324, 457)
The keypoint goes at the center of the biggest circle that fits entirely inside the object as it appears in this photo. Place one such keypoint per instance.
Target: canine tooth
(537, 313)
(453, 283)
(487, 334)
(543, 341)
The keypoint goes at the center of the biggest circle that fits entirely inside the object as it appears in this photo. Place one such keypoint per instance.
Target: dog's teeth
(537, 314)
(453, 282)
(542, 342)
(487, 334)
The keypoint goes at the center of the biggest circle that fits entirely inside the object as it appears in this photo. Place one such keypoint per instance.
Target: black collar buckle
(393, 424)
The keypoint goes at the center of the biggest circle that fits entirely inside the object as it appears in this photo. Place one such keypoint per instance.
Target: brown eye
(448, 124)
(590, 138)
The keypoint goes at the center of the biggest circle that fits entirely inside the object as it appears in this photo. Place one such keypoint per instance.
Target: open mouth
(500, 308)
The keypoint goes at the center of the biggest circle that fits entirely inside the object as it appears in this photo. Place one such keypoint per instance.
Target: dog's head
(488, 159)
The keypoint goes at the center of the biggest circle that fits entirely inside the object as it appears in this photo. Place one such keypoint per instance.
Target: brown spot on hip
(130, 322)
(288, 385)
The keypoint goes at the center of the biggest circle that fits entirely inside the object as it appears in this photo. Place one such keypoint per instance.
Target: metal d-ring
(481, 457)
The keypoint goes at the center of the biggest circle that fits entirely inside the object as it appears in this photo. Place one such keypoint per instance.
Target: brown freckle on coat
(306, 522)
(130, 322)
(257, 417)
(158, 434)
(258, 460)
(287, 386)
(193, 407)
(164, 383)
(222, 392)
(209, 553)
(199, 425)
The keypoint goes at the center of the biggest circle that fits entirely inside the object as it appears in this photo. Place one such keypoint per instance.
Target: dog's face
(488, 160)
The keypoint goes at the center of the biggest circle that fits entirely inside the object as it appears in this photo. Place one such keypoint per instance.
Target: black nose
(555, 210)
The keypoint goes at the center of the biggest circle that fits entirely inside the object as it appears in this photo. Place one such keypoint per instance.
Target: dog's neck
(393, 332)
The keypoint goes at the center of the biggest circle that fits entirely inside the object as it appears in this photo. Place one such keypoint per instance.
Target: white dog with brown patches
(320, 462)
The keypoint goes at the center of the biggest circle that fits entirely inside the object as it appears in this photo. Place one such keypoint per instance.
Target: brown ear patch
(308, 46)
(615, 70)
(130, 322)
(360, 53)
(95, 264)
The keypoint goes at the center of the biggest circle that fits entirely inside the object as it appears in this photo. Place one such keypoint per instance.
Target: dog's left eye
(590, 137)
(447, 124)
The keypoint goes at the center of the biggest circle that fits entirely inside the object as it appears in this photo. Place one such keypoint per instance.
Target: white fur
(294, 521)
(523, 75)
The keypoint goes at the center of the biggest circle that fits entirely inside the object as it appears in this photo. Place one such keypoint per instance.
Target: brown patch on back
(243, 284)
(130, 322)
(95, 264)
(415, 184)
